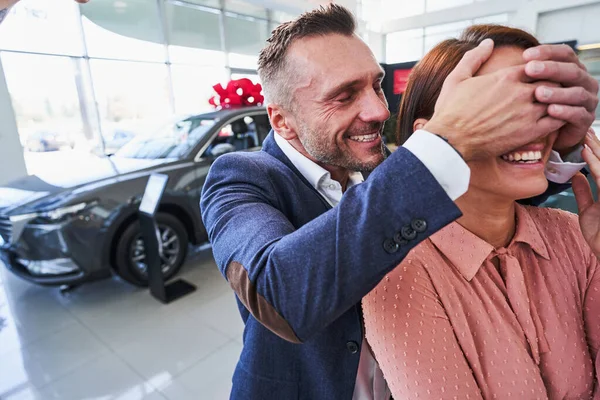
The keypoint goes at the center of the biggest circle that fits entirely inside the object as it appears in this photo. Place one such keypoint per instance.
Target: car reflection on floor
(55, 346)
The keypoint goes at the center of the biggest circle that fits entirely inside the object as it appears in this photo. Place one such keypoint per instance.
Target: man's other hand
(574, 102)
(491, 114)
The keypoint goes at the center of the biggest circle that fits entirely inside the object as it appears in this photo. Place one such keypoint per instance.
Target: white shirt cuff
(561, 171)
(444, 163)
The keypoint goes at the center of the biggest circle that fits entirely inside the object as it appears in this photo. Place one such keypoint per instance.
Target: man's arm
(297, 281)
(576, 99)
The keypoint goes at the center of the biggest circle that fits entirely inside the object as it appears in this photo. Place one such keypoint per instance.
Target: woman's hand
(589, 209)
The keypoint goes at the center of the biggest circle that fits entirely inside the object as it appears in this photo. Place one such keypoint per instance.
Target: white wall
(12, 163)
(580, 23)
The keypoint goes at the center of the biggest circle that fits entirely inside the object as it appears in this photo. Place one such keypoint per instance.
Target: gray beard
(335, 157)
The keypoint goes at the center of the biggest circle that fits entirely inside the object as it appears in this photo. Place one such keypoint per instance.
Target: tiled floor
(108, 340)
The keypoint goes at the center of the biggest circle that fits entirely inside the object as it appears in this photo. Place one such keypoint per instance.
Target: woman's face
(518, 174)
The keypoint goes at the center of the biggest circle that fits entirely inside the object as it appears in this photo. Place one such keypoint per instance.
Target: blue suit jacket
(300, 268)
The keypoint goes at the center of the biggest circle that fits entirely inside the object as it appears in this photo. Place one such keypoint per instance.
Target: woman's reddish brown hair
(428, 76)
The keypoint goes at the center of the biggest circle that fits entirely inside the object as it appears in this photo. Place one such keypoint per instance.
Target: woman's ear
(419, 124)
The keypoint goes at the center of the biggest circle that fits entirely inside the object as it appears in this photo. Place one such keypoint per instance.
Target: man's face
(339, 106)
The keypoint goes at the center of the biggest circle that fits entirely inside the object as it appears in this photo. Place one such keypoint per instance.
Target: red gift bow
(239, 92)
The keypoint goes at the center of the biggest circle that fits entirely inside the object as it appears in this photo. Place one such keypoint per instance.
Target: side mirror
(222, 148)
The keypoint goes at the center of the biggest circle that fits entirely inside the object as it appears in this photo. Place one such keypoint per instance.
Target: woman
(505, 302)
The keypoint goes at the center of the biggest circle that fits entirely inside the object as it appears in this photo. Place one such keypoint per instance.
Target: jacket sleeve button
(419, 225)
(408, 232)
(390, 246)
(399, 239)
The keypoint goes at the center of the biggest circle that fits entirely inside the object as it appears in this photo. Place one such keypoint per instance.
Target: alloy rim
(169, 244)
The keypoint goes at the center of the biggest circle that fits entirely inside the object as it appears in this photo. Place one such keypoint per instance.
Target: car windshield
(174, 140)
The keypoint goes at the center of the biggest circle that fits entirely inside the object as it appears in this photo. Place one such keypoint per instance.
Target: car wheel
(130, 257)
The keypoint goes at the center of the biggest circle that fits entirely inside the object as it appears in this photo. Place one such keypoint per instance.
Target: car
(116, 139)
(69, 229)
(41, 141)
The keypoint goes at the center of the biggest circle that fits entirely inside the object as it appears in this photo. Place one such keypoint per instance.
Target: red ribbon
(238, 93)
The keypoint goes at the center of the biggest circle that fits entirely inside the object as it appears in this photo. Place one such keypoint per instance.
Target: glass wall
(411, 45)
(33, 26)
(387, 10)
(118, 68)
(44, 92)
(404, 46)
(438, 33)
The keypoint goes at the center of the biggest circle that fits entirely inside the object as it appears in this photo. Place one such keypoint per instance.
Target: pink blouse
(458, 319)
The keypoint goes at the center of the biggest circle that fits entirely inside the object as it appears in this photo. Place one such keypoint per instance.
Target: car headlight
(64, 212)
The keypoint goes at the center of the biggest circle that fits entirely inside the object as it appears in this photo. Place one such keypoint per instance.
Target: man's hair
(427, 77)
(272, 62)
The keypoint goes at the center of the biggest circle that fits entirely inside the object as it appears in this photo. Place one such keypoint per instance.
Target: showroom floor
(109, 340)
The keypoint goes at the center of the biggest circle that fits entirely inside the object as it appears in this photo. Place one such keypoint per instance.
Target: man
(298, 254)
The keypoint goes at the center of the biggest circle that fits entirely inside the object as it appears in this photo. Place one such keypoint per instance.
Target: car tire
(128, 256)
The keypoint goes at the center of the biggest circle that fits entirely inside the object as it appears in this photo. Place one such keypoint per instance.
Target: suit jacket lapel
(270, 146)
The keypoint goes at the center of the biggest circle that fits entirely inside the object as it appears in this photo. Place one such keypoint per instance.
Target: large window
(492, 19)
(111, 69)
(192, 87)
(244, 8)
(411, 45)
(435, 5)
(194, 35)
(128, 30)
(404, 46)
(395, 9)
(208, 3)
(245, 37)
(438, 33)
(104, 43)
(279, 16)
(33, 26)
(46, 100)
(133, 96)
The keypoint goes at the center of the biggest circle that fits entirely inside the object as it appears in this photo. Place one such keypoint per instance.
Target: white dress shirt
(451, 172)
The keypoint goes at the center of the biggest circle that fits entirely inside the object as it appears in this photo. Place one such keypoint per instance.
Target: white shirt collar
(309, 169)
(316, 175)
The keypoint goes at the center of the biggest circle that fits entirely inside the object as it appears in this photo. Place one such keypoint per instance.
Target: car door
(244, 132)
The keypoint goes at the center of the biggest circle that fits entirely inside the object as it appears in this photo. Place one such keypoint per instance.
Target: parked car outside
(67, 229)
(116, 139)
(47, 141)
